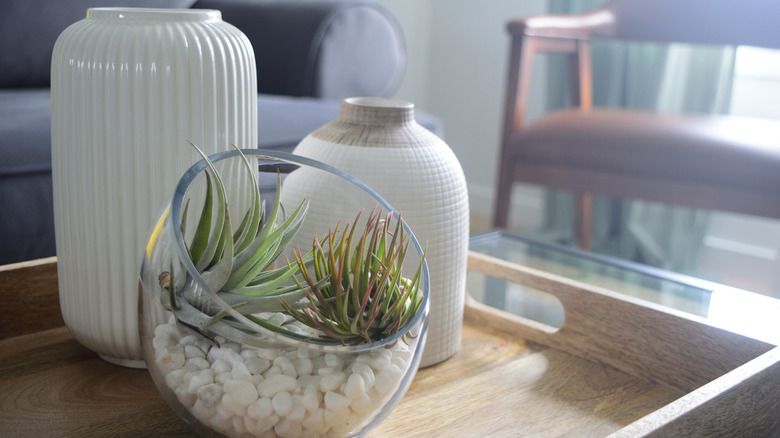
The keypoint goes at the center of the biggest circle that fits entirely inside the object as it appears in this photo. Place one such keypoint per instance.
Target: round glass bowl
(234, 366)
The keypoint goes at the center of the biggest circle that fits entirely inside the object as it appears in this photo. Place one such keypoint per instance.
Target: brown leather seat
(715, 162)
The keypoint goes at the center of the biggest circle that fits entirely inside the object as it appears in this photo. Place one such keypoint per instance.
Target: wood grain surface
(500, 385)
(640, 338)
(29, 294)
(512, 377)
(52, 386)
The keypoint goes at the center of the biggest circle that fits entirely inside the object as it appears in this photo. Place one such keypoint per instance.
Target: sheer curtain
(663, 78)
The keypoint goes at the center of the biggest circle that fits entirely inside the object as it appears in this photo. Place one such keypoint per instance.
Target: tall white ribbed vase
(379, 142)
(130, 87)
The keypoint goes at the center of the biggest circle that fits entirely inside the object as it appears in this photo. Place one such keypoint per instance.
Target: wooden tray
(617, 366)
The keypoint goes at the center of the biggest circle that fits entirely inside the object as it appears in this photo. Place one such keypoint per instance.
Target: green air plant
(366, 298)
(349, 295)
(237, 265)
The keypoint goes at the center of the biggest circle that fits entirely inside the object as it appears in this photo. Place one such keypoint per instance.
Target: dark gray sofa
(304, 70)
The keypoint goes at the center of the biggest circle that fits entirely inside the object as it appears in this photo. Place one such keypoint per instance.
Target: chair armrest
(325, 49)
(582, 27)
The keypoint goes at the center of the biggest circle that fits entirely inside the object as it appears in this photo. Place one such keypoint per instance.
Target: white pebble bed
(282, 392)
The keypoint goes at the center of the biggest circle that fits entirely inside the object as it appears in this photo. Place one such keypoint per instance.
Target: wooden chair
(701, 161)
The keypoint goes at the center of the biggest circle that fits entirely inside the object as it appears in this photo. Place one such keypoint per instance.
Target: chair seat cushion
(729, 151)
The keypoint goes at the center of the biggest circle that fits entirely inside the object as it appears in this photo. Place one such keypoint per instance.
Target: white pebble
(268, 353)
(223, 378)
(201, 411)
(257, 365)
(223, 419)
(205, 377)
(282, 403)
(366, 372)
(170, 358)
(388, 379)
(276, 319)
(331, 382)
(303, 366)
(261, 408)
(336, 418)
(304, 353)
(355, 387)
(162, 341)
(240, 372)
(174, 378)
(274, 370)
(231, 356)
(184, 397)
(267, 423)
(399, 361)
(189, 340)
(167, 329)
(210, 395)
(311, 397)
(315, 420)
(305, 381)
(285, 366)
(220, 366)
(333, 361)
(378, 360)
(310, 434)
(257, 378)
(361, 404)
(298, 409)
(197, 363)
(272, 385)
(242, 392)
(335, 401)
(239, 425)
(288, 428)
(251, 426)
(230, 404)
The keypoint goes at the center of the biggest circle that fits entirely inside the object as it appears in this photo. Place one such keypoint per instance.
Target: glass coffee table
(740, 311)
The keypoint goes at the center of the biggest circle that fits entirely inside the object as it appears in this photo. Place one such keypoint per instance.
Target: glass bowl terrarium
(262, 315)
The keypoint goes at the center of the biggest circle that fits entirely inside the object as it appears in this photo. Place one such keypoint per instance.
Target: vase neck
(373, 111)
(154, 14)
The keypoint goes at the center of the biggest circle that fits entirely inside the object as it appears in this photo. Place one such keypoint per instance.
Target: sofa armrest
(327, 49)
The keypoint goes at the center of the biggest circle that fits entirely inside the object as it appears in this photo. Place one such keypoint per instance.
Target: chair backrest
(720, 22)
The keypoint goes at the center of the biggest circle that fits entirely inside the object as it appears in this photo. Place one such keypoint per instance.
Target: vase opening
(376, 111)
(155, 14)
(379, 102)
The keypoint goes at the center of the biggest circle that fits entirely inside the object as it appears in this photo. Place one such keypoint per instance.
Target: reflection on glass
(737, 310)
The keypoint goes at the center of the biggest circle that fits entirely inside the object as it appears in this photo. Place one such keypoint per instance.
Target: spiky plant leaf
(367, 302)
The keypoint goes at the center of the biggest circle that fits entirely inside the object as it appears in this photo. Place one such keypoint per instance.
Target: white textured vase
(379, 142)
(130, 87)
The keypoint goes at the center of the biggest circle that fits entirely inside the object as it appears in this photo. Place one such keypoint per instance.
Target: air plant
(348, 295)
(237, 265)
(365, 297)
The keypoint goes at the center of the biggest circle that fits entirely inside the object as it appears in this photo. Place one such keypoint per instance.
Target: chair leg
(584, 219)
(501, 207)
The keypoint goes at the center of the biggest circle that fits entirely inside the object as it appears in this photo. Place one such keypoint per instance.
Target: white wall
(457, 67)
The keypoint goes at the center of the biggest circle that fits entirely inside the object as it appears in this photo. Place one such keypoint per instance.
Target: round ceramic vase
(130, 88)
(379, 142)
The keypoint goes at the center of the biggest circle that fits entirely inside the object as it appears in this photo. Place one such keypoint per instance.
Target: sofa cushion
(28, 30)
(27, 212)
(331, 49)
